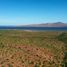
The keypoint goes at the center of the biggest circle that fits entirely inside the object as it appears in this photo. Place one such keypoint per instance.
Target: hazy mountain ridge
(57, 24)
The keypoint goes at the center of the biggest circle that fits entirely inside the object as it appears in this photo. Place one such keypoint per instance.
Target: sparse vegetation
(33, 49)
(10, 65)
(63, 37)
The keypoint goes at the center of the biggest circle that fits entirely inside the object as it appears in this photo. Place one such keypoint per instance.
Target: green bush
(1, 45)
(10, 65)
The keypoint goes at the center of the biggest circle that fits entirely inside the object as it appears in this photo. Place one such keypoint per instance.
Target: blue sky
(23, 12)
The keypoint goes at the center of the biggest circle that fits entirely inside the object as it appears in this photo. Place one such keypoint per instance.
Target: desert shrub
(3, 66)
(36, 65)
(31, 62)
(10, 65)
(63, 37)
(65, 60)
(1, 45)
(2, 62)
(43, 65)
(22, 61)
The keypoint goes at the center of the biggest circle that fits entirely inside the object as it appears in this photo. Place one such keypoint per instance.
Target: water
(35, 28)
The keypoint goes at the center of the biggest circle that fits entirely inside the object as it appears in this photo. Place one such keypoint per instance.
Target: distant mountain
(57, 24)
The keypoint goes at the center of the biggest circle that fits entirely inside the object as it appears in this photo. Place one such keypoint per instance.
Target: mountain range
(56, 24)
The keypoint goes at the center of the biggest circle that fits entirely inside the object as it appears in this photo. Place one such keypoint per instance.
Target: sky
(24, 12)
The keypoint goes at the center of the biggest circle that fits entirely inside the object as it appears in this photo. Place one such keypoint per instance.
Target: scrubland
(33, 48)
